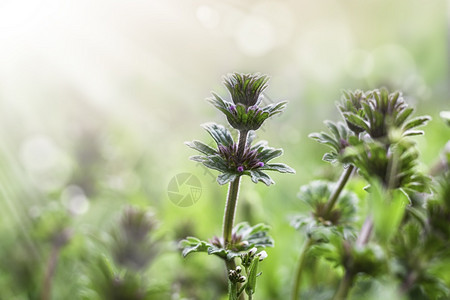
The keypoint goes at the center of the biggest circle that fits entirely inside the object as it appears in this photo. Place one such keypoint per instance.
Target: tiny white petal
(262, 255)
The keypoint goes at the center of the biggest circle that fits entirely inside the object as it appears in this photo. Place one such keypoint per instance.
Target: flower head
(246, 89)
(379, 113)
(244, 112)
(253, 161)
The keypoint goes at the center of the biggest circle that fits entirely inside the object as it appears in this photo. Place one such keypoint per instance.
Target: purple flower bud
(232, 108)
(240, 169)
(250, 108)
(344, 143)
(260, 164)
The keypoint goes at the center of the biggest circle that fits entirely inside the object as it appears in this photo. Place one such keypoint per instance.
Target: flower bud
(261, 255)
(252, 251)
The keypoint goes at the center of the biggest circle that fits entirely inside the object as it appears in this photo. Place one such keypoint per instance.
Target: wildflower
(225, 158)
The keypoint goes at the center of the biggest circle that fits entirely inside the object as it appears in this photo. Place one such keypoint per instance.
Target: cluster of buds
(235, 275)
(236, 243)
(244, 111)
(247, 161)
(378, 113)
(246, 89)
(248, 257)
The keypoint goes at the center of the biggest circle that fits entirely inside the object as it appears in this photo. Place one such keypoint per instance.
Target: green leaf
(333, 128)
(192, 244)
(219, 133)
(279, 167)
(402, 116)
(388, 210)
(273, 109)
(329, 251)
(250, 287)
(324, 138)
(330, 157)
(215, 162)
(413, 132)
(416, 122)
(201, 147)
(267, 153)
(356, 120)
(225, 178)
(256, 236)
(258, 175)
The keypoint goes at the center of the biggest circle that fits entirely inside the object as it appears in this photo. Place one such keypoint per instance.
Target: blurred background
(97, 98)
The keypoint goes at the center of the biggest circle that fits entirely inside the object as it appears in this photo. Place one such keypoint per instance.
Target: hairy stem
(344, 286)
(242, 142)
(230, 207)
(300, 266)
(230, 210)
(340, 186)
(232, 290)
(233, 191)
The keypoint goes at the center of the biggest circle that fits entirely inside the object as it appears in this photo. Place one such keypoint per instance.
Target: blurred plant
(130, 248)
(374, 140)
(33, 255)
(233, 160)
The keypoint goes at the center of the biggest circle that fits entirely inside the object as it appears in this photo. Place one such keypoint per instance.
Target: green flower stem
(344, 287)
(300, 266)
(242, 142)
(233, 192)
(232, 290)
(347, 282)
(340, 186)
(241, 291)
(230, 206)
(329, 206)
(366, 232)
(230, 210)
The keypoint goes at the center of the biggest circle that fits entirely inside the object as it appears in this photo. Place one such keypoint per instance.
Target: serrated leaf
(325, 138)
(279, 167)
(267, 153)
(192, 244)
(356, 120)
(219, 133)
(225, 178)
(330, 157)
(333, 128)
(201, 147)
(257, 175)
